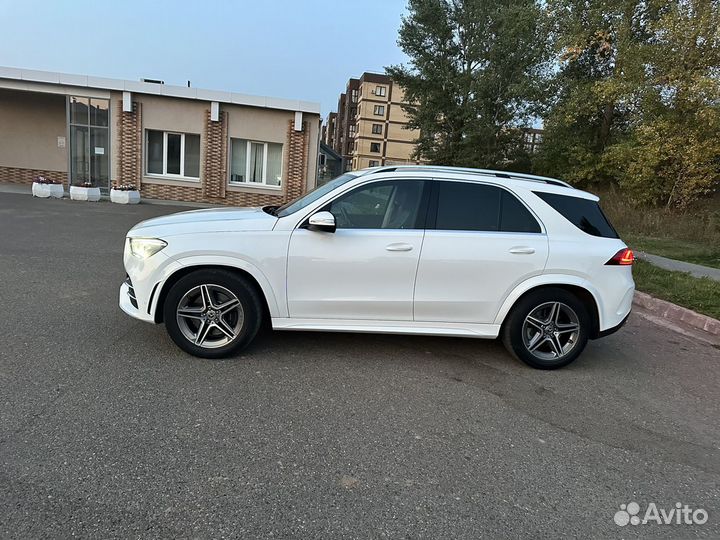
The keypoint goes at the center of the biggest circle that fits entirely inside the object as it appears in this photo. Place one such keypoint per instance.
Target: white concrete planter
(124, 197)
(79, 193)
(48, 190)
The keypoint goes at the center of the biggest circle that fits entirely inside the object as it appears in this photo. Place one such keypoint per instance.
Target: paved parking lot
(107, 429)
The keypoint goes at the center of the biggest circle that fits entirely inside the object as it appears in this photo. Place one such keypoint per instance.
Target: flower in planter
(125, 186)
(84, 184)
(45, 180)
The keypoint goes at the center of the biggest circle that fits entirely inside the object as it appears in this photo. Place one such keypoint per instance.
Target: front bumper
(128, 303)
(138, 296)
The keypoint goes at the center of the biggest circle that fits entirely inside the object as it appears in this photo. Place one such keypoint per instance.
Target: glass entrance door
(89, 142)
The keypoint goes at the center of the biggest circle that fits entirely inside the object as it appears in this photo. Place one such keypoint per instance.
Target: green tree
(476, 69)
(672, 156)
(599, 47)
(637, 97)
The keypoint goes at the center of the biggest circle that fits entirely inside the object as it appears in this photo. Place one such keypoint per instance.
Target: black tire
(515, 332)
(243, 322)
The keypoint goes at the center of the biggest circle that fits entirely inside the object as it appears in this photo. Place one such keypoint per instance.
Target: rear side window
(514, 217)
(463, 206)
(585, 214)
(467, 207)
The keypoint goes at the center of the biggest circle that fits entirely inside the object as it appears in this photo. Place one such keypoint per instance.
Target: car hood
(200, 221)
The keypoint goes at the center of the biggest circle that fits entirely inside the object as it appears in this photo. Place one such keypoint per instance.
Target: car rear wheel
(547, 329)
(212, 313)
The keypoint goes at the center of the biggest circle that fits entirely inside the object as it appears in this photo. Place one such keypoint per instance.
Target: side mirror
(322, 221)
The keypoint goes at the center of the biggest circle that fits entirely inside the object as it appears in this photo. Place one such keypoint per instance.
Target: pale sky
(296, 49)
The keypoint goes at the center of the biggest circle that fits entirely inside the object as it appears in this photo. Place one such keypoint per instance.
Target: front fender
(232, 262)
(545, 280)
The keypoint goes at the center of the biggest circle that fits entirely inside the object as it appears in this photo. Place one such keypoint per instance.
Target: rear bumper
(612, 329)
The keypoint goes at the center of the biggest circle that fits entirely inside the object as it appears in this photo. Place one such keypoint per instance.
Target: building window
(377, 129)
(352, 129)
(379, 110)
(354, 96)
(253, 162)
(172, 154)
(322, 158)
(380, 91)
(353, 112)
(375, 147)
(350, 147)
(373, 163)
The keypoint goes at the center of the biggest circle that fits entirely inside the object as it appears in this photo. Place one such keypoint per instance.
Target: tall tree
(599, 46)
(672, 156)
(476, 69)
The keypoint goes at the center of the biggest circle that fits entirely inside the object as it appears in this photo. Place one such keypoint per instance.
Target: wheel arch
(189, 269)
(577, 287)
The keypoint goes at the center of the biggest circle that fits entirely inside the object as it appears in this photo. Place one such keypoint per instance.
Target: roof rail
(483, 172)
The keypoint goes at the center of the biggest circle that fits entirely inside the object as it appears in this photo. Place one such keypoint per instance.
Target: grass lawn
(699, 294)
(681, 250)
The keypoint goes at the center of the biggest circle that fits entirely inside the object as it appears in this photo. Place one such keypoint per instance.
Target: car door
(481, 242)
(366, 268)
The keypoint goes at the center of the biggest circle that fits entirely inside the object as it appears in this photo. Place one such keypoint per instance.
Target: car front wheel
(212, 313)
(547, 329)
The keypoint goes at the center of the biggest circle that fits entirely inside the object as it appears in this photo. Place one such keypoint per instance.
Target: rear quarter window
(585, 214)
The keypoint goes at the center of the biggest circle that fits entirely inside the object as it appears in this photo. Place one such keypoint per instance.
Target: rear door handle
(398, 247)
(522, 250)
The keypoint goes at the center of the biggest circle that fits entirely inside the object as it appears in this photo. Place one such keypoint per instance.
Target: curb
(675, 313)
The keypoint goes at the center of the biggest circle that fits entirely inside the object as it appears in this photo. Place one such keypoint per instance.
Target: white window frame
(164, 173)
(379, 108)
(380, 91)
(264, 183)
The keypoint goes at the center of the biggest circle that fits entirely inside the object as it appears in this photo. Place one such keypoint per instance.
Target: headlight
(142, 248)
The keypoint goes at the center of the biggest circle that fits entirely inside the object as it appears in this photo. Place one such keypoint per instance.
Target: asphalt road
(108, 430)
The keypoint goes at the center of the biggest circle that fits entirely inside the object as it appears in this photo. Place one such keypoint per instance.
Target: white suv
(405, 250)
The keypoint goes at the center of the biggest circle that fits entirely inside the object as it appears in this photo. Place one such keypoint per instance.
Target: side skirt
(487, 331)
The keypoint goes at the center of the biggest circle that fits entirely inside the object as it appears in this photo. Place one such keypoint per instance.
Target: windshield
(312, 196)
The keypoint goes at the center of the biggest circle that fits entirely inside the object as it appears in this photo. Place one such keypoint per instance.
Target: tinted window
(467, 207)
(514, 217)
(381, 205)
(585, 214)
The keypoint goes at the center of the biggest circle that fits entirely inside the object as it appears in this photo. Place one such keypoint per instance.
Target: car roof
(528, 181)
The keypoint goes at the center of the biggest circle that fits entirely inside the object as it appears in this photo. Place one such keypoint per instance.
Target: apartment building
(370, 124)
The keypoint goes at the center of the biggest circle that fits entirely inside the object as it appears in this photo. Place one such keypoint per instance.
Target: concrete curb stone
(676, 313)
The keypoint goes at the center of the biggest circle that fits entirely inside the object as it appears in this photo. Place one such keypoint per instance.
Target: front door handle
(522, 250)
(399, 247)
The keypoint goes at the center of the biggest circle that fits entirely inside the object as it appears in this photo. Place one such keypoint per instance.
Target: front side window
(172, 154)
(464, 206)
(255, 163)
(380, 205)
(379, 110)
(313, 195)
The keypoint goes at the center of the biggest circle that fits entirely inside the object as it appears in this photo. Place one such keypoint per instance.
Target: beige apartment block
(370, 127)
(172, 142)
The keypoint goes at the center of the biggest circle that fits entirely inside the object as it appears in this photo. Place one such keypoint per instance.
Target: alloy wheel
(210, 316)
(551, 331)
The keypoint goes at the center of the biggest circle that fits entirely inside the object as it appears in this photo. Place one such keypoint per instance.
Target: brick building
(370, 125)
(173, 142)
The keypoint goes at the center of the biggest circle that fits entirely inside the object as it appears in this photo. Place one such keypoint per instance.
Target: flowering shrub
(44, 180)
(125, 186)
(84, 184)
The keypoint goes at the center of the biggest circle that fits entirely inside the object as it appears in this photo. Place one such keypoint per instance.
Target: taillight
(624, 257)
